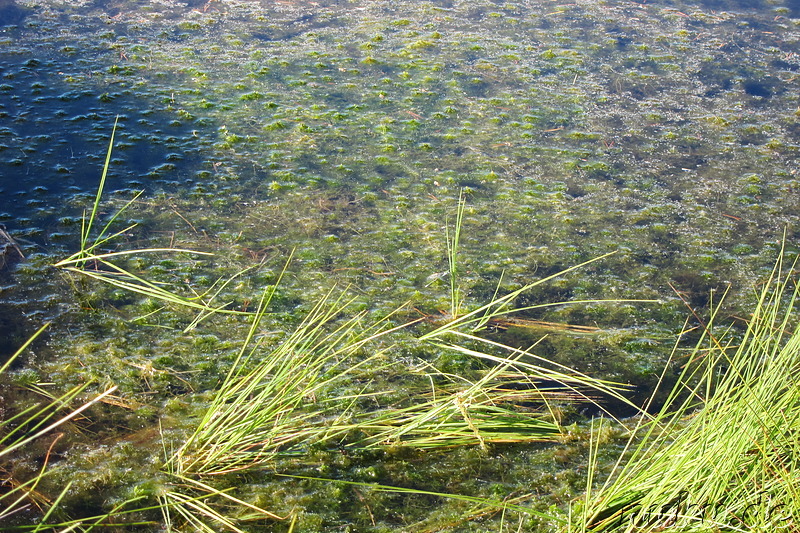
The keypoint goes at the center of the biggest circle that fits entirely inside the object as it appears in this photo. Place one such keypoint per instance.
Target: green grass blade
(87, 229)
(450, 496)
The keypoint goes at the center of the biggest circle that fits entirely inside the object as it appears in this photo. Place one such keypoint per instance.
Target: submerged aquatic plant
(723, 453)
(21, 430)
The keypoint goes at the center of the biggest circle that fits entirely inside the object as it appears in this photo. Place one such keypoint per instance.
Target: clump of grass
(723, 455)
(280, 400)
(463, 334)
(261, 409)
(458, 411)
(96, 259)
(270, 403)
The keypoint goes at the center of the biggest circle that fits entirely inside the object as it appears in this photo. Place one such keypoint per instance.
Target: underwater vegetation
(312, 391)
(351, 197)
(290, 399)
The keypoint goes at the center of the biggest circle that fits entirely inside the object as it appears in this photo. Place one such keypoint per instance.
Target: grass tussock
(723, 455)
(279, 400)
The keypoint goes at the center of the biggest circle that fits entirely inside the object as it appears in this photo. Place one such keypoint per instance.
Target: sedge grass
(281, 399)
(475, 413)
(724, 454)
(92, 260)
(267, 406)
(278, 401)
(257, 411)
(462, 411)
(462, 332)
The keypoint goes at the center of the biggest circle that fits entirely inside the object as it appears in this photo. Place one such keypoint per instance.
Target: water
(667, 132)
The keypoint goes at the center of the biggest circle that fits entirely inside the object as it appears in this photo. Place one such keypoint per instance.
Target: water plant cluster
(417, 162)
(290, 402)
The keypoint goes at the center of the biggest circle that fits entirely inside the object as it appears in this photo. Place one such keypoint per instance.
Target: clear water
(668, 132)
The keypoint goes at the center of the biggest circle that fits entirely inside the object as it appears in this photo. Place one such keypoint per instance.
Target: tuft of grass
(262, 407)
(95, 261)
(462, 334)
(723, 454)
(273, 401)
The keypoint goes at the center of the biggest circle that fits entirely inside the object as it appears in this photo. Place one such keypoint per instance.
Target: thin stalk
(87, 228)
(452, 255)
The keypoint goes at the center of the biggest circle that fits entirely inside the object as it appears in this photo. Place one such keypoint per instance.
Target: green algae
(575, 130)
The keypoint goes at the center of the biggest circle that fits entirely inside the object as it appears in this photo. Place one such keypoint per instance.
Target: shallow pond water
(665, 132)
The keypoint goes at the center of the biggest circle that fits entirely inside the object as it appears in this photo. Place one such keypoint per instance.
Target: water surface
(667, 132)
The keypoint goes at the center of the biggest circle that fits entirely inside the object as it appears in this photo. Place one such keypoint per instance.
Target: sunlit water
(668, 132)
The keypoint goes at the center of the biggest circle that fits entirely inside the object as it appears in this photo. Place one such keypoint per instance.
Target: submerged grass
(723, 453)
(20, 430)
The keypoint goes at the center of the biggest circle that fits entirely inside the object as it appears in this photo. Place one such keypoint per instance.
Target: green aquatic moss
(575, 130)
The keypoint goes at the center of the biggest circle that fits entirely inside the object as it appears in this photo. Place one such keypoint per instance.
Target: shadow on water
(54, 137)
(13, 331)
(11, 14)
